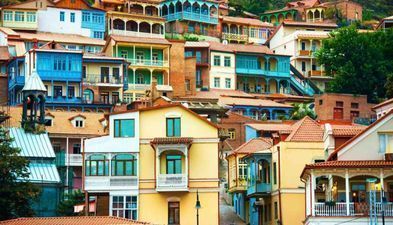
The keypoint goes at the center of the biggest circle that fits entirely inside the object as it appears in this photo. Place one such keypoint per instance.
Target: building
(163, 155)
(355, 183)
(148, 59)
(383, 108)
(197, 18)
(200, 50)
(79, 220)
(343, 107)
(4, 58)
(301, 40)
(244, 30)
(385, 23)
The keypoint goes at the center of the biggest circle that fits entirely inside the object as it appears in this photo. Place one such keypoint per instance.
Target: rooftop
(272, 126)
(61, 38)
(306, 130)
(77, 220)
(229, 101)
(347, 130)
(387, 102)
(254, 145)
(4, 53)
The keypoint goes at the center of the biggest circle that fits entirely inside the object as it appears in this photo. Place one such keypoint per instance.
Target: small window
(188, 85)
(124, 54)
(19, 16)
(303, 66)
(125, 206)
(72, 17)
(275, 210)
(79, 123)
(339, 104)
(232, 135)
(354, 105)
(217, 82)
(48, 121)
(173, 164)
(173, 213)
(274, 173)
(62, 16)
(227, 61)
(217, 60)
(173, 127)
(227, 82)
(320, 101)
(124, 128)
(354, 114)
(76, 148)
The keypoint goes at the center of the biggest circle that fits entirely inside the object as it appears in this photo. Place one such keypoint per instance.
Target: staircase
(301, 84)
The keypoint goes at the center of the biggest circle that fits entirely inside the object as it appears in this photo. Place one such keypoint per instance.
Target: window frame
(227, 61)
(72, 17)
(174, 130)
(88, 166)
(216, 82)
(217, 60)
(118, 134)
(62, 16)
(176, 220)
(114, 165)
(228, 83)
(124, 203)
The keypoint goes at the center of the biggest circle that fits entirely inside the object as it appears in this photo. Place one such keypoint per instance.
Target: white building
(383, 108)
(301, 40)
(222, 67)
(112, 167)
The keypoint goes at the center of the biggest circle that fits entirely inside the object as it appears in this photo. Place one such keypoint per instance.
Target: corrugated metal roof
(34, 83)
(43, 173)
(32, 145)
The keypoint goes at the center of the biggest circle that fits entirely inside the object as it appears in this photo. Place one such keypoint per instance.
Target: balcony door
(198, 55)
(173, 164)
(104, 74)
(174, 213)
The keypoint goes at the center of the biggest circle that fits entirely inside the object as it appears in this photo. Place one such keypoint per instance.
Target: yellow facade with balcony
(19, 19)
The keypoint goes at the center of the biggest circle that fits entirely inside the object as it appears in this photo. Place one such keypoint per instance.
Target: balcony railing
(259, 187)
(63, 99)
(136, 33)
(257, 71)
(111, 182)
(192, 16)
(202, 60)
(102, 79)
(172, 182)
(234, 37)
(73, 160)
(315, 73)
(355, 209)
(16, 80)
(148, 62)
(304, 53)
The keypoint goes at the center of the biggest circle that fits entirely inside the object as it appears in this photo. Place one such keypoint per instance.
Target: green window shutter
(169, 127)
(117, 128)
(177, 127)
(382, 143)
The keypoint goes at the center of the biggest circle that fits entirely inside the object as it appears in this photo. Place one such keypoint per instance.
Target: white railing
(136, 34)
(148, 62)
(387, 208)
(172, 181)
(337, 209)
(123, 181)
(110, 182)
(73, 160)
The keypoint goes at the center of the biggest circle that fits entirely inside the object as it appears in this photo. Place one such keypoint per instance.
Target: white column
(134, 71)
(347, 191)
(312, 194)
(308, 206)
(151, 54)
(67, 161)
(157, 165)
(381, 175)
(186, 166)
(151, 77)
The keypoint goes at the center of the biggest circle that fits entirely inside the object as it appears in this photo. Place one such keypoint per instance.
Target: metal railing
(172, 181)
(148, 62)
(136, 33)
(192, 16)
(102, 79)
(73, 159)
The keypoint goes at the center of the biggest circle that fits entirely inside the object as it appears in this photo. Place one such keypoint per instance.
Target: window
(354, 114)
(227, 82)
(354, 105)
(62, 16)
(115, 97)
(303, 45)
(232, 134)
(124, 54)
(98, 34)
(124, 165)
(97, 18)
(139, 57)
(216, 82)
(155, 58)
(84, 72)
(79, 123)
(140, 79)
(173, 127)
(19, 16)
(385, 143)
(96, 165)
(104, 97)
(76, 149)
(227, 61)
(173, 164)
(274, 173)
(242, 169)
(124, 128)
(275, 210)
(71, 91)
(8, 15)
(188, 85)
(88, 96)
(125, 206)
(303, 66)
(217, 60)
(116, 73)
(48, 121)
(57, 91)
(252, 32)
(320, 101)
(173, 212)
(339, 104)
(31, 17)
(72, 17)
(85, 17)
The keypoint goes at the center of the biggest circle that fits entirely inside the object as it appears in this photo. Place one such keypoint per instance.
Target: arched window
(124, 165)
(140, 79)
(88, 96)
(97, 165)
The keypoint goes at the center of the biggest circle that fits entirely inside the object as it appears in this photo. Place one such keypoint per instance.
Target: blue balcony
(64, 99)
(198, 11)
(259, 188)
(16, 81)
(259, 173)
(267, 66)
(93, 20)
(48, 75)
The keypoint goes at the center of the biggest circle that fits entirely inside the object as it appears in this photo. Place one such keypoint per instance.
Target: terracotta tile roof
(254, 145)
(251, 102)
(62, 125)
(387, 102)
(131, 39)
(8, 31)
(347, 130)
(352, 164)
(308, 24)
(279, 127)
(171, 140)
(76, 220)
(4, 54)
(216, 93)
(20, 47)
(247, 21)
(306, 130)
(261, 49)
(61, 38)
(233, 117)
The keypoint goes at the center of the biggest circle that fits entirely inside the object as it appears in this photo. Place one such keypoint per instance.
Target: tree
(66, 207)
(302, 110)
(358, 62)
(16, 192)
(389, 86)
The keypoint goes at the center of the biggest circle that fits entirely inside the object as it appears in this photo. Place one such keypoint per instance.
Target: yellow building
(160, 158)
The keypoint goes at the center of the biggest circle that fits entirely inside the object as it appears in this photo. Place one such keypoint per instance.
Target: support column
(278, 86)
(157, 166)
(267, 88)
(151, 55)
(133, 52)
(381, 175)
(347, 191)
(67, 162)
(53, 89)
(312, 189)
(270, 114)
(134, 77)
(66, 91)
(151, 76)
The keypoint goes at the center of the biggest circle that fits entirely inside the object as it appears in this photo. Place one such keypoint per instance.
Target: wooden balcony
(235, 37)
(304, 53)
(318, 73)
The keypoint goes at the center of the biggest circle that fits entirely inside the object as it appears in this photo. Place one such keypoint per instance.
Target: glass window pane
(169, 127)
(178, 166)
(119, 168)
(93, 168)
(170, 167)
(117, 128)
(177, 127)
(128, 168)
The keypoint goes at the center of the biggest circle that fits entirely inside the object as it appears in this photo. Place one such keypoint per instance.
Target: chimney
(154, 92)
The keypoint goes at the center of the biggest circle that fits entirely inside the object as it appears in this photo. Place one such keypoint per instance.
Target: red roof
(347, 130)
(387, 102)
(76, 220)
(254, 145)
(306, 130)
(351, 164)
(172, 140)
(4, 54)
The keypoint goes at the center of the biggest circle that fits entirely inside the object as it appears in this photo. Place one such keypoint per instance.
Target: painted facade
(222, 70)
(166, 170)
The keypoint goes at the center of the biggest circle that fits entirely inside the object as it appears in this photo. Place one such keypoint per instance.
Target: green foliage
(301, 110)
(16, 193)
(389, 86)
(66, 207)
(252, 6)
(358, 62)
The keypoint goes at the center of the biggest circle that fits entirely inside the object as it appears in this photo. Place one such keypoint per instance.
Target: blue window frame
(173, 164)
(62, 16)
(98, 34)
(72, 17)
(173, 127)
(124, 128)
(7, 15)
(85, 17)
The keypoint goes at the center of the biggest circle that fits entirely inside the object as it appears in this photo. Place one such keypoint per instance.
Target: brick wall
(3, 89)
(190, 64)
(350, 10)
(177, 68)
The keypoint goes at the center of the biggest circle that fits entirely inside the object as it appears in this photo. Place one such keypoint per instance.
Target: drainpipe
(279, 183)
